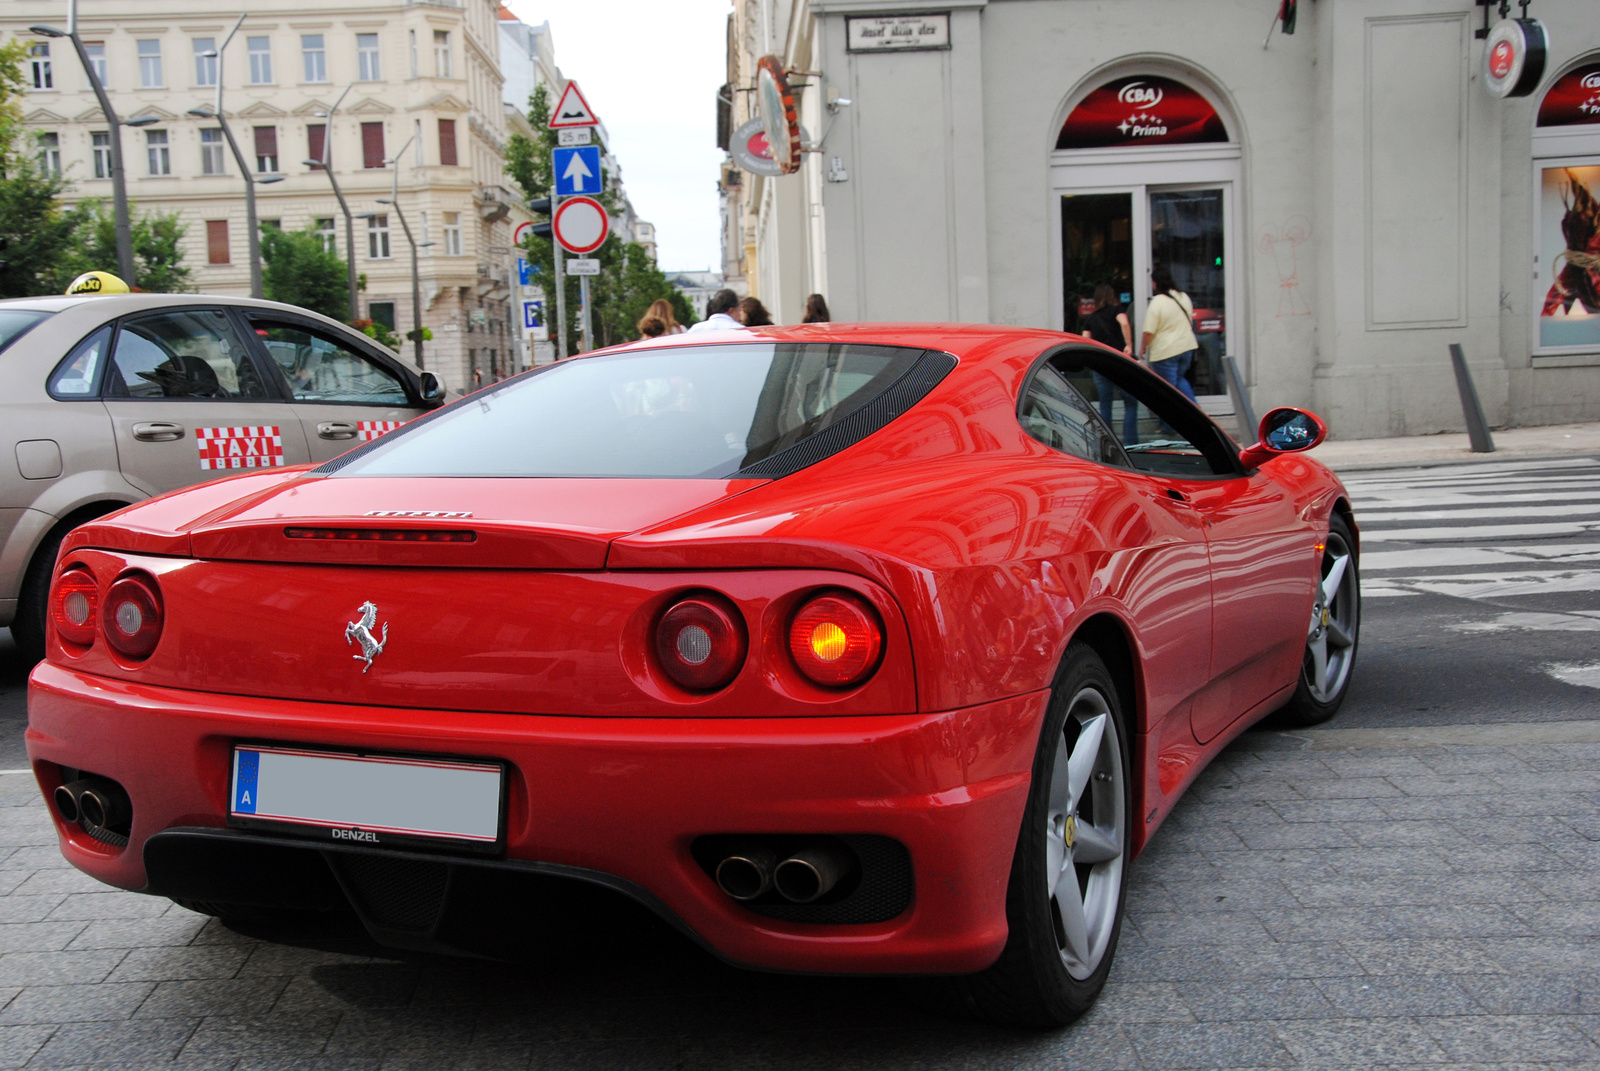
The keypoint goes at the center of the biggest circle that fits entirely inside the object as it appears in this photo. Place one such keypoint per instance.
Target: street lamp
(119, 186)
(393, 200)
(327, 167)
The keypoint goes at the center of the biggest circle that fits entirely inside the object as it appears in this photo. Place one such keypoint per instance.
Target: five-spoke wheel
(1332, 635)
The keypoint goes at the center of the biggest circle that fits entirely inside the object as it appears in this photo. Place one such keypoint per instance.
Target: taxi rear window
(14, 323)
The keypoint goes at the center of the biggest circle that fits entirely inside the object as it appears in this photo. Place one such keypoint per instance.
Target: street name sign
(582, 266)
(577, 135)
(577, 170)
(580, 225)
(572, 110)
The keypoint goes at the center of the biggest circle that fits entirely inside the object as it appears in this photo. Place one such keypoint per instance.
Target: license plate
(380, 800)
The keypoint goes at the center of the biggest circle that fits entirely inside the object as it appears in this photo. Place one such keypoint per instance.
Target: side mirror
(1284, 431)
(432, 390)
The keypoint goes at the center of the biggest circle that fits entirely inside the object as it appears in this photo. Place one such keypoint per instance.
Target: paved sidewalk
(1331, 899)
(1555, 440)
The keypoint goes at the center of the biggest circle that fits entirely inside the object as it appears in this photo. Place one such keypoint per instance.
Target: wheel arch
(1342, 509)
(44, 535)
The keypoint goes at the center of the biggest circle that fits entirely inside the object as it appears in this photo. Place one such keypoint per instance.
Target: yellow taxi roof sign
(98, 282)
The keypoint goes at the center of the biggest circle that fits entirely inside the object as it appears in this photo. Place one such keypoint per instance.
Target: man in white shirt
(718, 308)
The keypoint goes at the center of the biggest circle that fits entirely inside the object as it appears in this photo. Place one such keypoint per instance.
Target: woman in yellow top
(1169, 343)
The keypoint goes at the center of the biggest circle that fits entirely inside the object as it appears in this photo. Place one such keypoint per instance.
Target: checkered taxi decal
(256, 447)
(368, 430)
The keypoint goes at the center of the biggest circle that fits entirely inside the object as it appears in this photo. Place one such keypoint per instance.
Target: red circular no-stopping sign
(580, 224)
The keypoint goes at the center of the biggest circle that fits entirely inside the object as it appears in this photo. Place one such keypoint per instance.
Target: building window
(381, 312)
(157, 152)
(50, 153)
(205, 67)
(424, 247)
(452, 234)
(441, 53)
(316, 60)
(100, 141)
(378, 237)
(266, 149)
(150, 64)
(411, 44)
(316, 140)
(210, 152)
(260, 60)
(367, 57)
(217, 241)
(325, 231)
(416, 143)
(96, 51)
(39, 65)
(447, 142)
(372, 145)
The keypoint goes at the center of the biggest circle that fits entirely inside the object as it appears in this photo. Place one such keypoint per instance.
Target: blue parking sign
(577, 170)
(532, 314)
(524, 271)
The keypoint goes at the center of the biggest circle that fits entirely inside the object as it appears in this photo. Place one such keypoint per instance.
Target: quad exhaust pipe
(802, 878)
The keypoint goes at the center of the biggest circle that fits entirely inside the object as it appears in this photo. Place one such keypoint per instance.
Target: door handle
(336, 429)
(157, 431)
(1177, 496)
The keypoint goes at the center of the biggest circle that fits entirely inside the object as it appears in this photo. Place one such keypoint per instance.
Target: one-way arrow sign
(577, 170)
(572, 110)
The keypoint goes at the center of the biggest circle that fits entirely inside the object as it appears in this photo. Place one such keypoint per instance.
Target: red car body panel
(983, 551)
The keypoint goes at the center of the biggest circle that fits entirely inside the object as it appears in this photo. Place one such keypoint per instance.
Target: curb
(1434, 463)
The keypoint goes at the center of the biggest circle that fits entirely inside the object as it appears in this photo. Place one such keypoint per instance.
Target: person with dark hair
(816, 310)
(1108, 324)
(753, 313)
(718, 313)
(651, 327)
(661, 309)
(1169, 343)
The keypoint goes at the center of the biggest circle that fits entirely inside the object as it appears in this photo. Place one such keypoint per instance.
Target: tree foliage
(297, 269)
(157, 250)
(38, 231)
(628, 282)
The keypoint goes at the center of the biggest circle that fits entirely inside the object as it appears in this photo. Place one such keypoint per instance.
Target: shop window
(1567, 246)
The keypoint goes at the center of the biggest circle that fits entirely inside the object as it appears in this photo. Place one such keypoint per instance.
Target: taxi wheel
(1332, 637)
(33, 601)
(1065, 900)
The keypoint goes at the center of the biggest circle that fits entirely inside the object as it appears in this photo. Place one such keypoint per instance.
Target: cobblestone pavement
(1340, 898)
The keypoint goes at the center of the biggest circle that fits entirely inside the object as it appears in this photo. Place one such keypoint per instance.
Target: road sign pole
(561, 292)
(585, 342)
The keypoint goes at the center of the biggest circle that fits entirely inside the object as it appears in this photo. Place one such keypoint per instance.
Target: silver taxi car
(107, 400)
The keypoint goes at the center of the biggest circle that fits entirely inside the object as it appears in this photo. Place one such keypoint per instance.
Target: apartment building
(424, 97)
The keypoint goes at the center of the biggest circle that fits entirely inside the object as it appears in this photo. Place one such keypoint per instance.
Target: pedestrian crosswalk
(1490, 531)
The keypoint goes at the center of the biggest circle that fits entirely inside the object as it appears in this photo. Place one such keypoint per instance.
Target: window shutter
(217, 241)
(316, 138)
(371, 144)
(447, 142)
(267, 141)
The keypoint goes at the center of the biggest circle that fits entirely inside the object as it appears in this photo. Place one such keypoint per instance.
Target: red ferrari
(844, 648)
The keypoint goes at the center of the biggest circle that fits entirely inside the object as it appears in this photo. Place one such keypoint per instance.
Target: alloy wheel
(1331, 637)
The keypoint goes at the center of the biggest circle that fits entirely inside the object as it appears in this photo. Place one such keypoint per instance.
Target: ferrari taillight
(835, 640)
(700, 643)
(131, 617)
(73, 604)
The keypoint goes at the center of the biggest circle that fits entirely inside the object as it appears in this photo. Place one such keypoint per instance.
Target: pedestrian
(1169, 343)
(652, 327)
(1108, 324)
(754, 314)
(816, 310)
(718, 308)
(661, 309)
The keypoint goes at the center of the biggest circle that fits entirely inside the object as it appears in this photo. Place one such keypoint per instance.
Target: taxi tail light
(132, 617)
(836, 640)
(701, 643)
(73, 606)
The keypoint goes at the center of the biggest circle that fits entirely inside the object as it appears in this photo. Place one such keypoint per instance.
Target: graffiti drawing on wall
(1282, 244)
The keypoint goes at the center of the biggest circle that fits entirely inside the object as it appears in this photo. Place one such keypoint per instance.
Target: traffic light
(541, 207)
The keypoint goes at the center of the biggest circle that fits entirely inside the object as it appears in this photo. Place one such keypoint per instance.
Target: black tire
(1031, 984)
(1311, 705)
(28, 626)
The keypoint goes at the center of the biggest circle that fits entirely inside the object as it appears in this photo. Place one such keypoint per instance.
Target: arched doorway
(1566, 175)
(1145, 170)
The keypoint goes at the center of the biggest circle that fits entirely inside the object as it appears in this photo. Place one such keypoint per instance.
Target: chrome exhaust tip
(747, 875)
(808, 875)
(66, 800)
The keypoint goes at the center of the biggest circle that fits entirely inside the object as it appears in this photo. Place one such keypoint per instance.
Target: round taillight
(72, 607)
(835, 640)
(700, 644)
(131, 617)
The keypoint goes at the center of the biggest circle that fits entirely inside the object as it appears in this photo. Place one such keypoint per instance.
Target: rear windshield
(14, 323)
(691, 411)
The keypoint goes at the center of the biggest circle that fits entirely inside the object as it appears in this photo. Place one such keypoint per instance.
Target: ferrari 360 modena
(843, 648)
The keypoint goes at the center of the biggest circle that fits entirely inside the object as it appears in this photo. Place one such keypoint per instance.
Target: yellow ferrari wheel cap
(98, 282)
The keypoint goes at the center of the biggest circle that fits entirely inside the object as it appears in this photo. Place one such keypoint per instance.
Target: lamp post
(393, 200)
(349, 225)
(119, 186)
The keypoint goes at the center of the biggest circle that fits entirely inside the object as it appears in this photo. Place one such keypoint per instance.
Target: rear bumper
(615, 802)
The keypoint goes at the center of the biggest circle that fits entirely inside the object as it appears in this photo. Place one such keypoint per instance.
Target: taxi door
(343, 394)
(189, 403)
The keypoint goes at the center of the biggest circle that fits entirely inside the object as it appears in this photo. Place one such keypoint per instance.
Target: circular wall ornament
(778, 115)
(1514, 57)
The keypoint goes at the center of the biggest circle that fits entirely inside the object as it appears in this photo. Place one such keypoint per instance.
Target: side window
(320, 368)
(1166, 432)
(76, 376)
(184, 353)
(1056, 414)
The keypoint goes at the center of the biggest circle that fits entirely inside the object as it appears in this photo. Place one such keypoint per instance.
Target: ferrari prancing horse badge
(360, 630)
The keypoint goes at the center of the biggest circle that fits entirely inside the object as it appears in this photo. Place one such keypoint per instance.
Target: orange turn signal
(836, 640)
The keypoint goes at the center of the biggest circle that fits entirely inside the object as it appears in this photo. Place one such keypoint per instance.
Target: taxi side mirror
(432, 390)
(1284, 431)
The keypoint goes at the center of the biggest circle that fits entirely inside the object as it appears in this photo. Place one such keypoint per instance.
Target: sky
(651, 69)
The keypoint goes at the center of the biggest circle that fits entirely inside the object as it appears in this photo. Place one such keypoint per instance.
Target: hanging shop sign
(1141, 110)
(1513, 57)
(897, 33)
(752, 153)
(1574, 99)
(778, 116)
